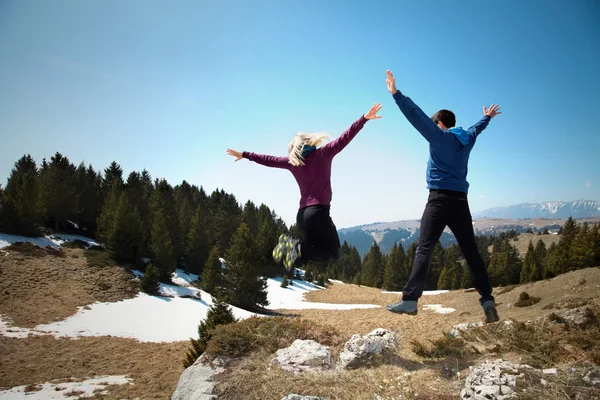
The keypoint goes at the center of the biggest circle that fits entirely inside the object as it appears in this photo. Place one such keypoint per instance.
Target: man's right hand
(492, 111)
(391, 84)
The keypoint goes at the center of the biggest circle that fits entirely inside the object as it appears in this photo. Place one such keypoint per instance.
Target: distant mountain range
(548, 215)
(549, 209)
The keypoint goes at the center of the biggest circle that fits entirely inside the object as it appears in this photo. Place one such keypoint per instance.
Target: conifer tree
(394, 268)
(528, 264)
(539, 262)
(59, 193)
(373, 267)
(106, 220)
(198, 246)
(244, 287)
(437, 264)
(564, 260)
(211, 273)
(126, 235)
(22, 207)
(219, 313)
(162, 247)
(150, 282)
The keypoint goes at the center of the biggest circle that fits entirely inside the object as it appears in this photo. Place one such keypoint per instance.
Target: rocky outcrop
(304, 356)
(360, 348)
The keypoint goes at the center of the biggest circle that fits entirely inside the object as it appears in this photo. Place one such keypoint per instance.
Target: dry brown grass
(253, 379)
(39, 289)
(154, 367)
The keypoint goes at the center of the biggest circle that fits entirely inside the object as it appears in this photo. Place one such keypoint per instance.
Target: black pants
(319, 241)
(447, 208)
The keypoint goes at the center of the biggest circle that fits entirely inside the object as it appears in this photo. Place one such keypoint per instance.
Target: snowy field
(52, 391)
(167, 318)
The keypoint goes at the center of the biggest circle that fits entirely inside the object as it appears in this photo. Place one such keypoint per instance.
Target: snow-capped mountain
(548, 209)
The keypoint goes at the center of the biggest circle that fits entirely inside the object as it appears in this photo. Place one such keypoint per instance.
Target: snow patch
(292, 297)
(62, 390)
(438, 308)
(55, 240)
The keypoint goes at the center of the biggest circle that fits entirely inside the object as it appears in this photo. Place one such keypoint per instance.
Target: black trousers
(319, 238)
(447, 208)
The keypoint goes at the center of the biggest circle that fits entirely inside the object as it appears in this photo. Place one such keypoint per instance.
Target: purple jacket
(314, 177)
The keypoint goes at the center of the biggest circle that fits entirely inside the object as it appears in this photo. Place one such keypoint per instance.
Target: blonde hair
(299, 141)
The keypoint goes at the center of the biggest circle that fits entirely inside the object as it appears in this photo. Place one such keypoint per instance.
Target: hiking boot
(292, 253)
(403, 307)
(489, 310)
(278, 251)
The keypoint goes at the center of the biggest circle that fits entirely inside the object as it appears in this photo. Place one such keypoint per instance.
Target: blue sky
(168, 86)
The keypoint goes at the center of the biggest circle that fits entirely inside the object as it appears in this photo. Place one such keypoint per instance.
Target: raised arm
(337, 145)
(488, 114)
(413, 113)
(268, 161)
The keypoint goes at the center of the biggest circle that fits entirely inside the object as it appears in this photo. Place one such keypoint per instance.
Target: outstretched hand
(372, 114)
(492, 111)
(391, 82)
(238, 156)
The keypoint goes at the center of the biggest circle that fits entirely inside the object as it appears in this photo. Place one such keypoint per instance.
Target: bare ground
(39, 290)
(154, 367)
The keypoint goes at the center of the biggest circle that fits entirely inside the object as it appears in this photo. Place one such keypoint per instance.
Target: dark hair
(447, 118)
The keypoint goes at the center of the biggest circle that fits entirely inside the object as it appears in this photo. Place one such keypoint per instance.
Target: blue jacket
(448, 150)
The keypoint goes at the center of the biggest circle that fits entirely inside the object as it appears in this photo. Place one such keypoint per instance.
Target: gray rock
(581, 317)
(359, 348)
(465, 326)
(300, 397)
(492, 380)
(197, 381)
(304, 355)
(593, 377)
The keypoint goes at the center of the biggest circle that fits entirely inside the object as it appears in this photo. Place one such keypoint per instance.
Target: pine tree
(139, 191)
(539, 262)
(150, 282)
(583, 253)
(250, 217)
(219, 313)
(445, 280)
(244, 287)
(513, 264)
(89, 193)
(550, 266)
(226, 217)
(163, 199)
(595, 243)
(106, 220)
(22, 199)
(394, 268)
(162, 247)
(528, 264)
(466, 280)
(546, 231)
(564, 259)
(127, 232)
(211, 273)
(113, 175)
(373, 267)
(59, 192)
(266, 239)
(437, 264)
(354, 264)
(198, 247)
